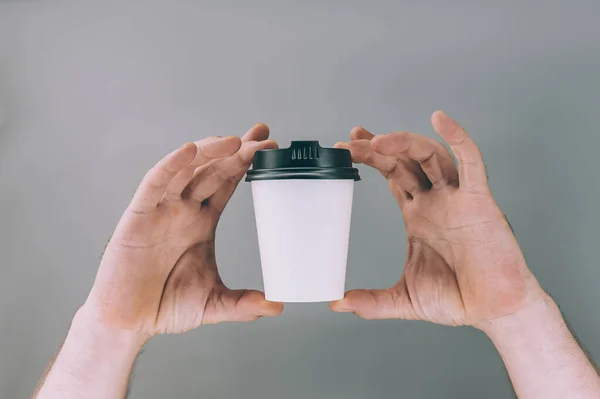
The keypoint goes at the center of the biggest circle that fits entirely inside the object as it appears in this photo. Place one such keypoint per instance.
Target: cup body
(303, 232)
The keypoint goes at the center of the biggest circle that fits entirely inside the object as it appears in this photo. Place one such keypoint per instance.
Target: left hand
(159, 272)
(464, 265)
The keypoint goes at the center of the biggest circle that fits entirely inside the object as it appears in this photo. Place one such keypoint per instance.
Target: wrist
(543, 313)
(541, 355)
(87, 327)
(94, 358)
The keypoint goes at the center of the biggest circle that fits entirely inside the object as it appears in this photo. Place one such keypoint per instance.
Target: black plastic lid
(303, 160)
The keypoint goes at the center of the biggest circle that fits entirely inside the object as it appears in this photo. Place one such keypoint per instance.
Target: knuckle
(429, 157)
(150, 183)
(386, 174)
(211, 169)
(389, 172)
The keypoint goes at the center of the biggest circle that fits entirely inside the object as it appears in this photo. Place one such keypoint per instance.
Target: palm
(464, 265)
(438, 273)
(159, 272)
(181, 234)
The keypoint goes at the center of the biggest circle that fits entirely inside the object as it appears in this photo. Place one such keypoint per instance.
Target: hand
(159, 272)
(464, 266)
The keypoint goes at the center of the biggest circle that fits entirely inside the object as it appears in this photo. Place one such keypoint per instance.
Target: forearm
(541, 355)
(94, 362)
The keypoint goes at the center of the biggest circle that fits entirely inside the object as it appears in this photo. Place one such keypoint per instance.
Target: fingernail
(342, 310)
(269, 308)
(340, 307)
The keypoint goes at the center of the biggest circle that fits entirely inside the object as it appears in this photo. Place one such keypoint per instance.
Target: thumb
(379, 304)
(239, 305)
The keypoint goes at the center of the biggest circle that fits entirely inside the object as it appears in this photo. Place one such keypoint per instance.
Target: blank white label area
(303, 232)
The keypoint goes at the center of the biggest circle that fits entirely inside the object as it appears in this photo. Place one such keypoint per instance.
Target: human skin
(159, 273)
(464, 265)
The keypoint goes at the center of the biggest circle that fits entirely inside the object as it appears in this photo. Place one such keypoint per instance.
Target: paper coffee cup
(303, 205)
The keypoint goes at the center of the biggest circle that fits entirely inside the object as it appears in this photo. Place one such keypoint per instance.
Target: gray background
(93, 93)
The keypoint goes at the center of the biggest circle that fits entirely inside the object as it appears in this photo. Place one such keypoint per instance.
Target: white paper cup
(303, 218)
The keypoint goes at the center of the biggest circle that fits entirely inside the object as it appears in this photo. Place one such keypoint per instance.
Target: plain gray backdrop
(93, 93)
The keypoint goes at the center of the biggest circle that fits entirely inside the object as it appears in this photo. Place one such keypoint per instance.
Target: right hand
(464, 265)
